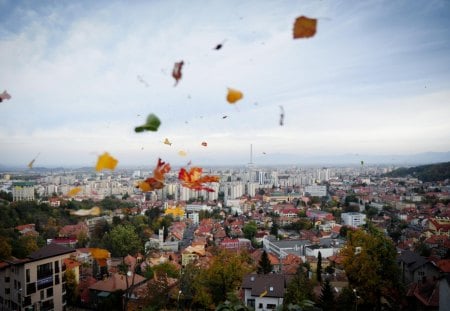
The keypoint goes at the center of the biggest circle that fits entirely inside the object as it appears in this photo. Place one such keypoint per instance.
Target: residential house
(36, 282)
(27, 230)
(116, 281)
(414, 268)
(236, 244)
(264, 291)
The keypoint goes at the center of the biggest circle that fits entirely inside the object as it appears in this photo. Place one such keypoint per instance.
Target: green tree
(274, 229)
(24, 246)
(326, 299)
(250, 230)
(299, 290)
(319, 267)
(369, 260)
(264, 265)
(123, 241)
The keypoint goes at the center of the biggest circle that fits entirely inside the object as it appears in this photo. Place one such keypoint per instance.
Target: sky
(373, 80)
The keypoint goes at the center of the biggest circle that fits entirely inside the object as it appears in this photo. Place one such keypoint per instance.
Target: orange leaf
(304, 27)
(105, 161)
(167, 142)
(204, 144)
(157, 181)
(234, 95)
(194, 179)
(176, 72)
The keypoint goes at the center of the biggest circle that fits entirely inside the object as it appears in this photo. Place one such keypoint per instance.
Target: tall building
(37, 282)
(23, 191)
(353, 219)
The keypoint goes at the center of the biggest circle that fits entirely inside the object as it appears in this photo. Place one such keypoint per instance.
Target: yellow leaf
(105, 161)
(167, 142)
(182, 153)
(234, 95)
(304, 27)
(74, 191)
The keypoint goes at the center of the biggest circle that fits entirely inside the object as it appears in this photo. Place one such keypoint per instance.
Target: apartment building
(35, 283)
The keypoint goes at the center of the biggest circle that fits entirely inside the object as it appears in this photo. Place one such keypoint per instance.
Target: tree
(299, 290)
(5, 248)
(250, 230)
(224, 275)
(326, 300)
(264, 265)
(274, 229)
(124, 240)
(319, 267)
(369, 260)
(71, 287)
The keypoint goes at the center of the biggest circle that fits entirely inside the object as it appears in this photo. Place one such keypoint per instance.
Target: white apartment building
(35, 283)
(353, 219)
(316, 191)
(23, 191)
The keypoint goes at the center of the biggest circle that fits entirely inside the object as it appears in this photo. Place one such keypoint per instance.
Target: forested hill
(431, 172)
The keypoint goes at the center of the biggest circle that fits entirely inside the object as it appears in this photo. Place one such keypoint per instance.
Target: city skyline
(372, 82)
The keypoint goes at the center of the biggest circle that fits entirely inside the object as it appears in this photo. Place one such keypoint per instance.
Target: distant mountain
(426, 173)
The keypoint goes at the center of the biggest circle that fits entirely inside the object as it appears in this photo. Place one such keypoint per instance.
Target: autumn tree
(71, 287)
(264, 265)
(369, 260)
(224, 275)
(5, 248)
(299, 290)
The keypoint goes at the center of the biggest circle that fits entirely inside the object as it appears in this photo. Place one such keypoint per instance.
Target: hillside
(426, 173)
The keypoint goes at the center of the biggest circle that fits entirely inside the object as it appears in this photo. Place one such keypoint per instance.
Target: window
(7, 279)
(42, 295)
(271, 306)
(56, 279)
(28, 275)
(31, 288)
(56, 266)
(50, 292)
(7, 291)
(44, 270)
(260, 306)
(15, 284)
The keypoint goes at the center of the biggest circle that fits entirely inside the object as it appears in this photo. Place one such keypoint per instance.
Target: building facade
(36, 283)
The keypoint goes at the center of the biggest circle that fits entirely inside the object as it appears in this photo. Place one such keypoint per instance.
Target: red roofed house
(104, 288)
(27, 230)
(236, 244)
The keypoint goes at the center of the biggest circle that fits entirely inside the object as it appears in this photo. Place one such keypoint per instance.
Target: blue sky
(375, 79)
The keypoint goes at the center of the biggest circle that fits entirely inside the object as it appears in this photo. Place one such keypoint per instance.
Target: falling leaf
(204, 144)
(234, 95)
(189, 163)
(362, 162)
(157, 180)
(176, 72)
(94, 211)
(74, 191)
(4, 96)
(220, 45)
(140, 79)
(30, 165)
(167, 142)
(105, 161)
(182, 153)
(152, 124)
(281, 115)
(194, 179)
(304, 27)
(224, 117)
(100, 255)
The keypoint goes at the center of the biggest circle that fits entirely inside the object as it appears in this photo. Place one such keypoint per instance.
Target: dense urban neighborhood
(290, 238)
